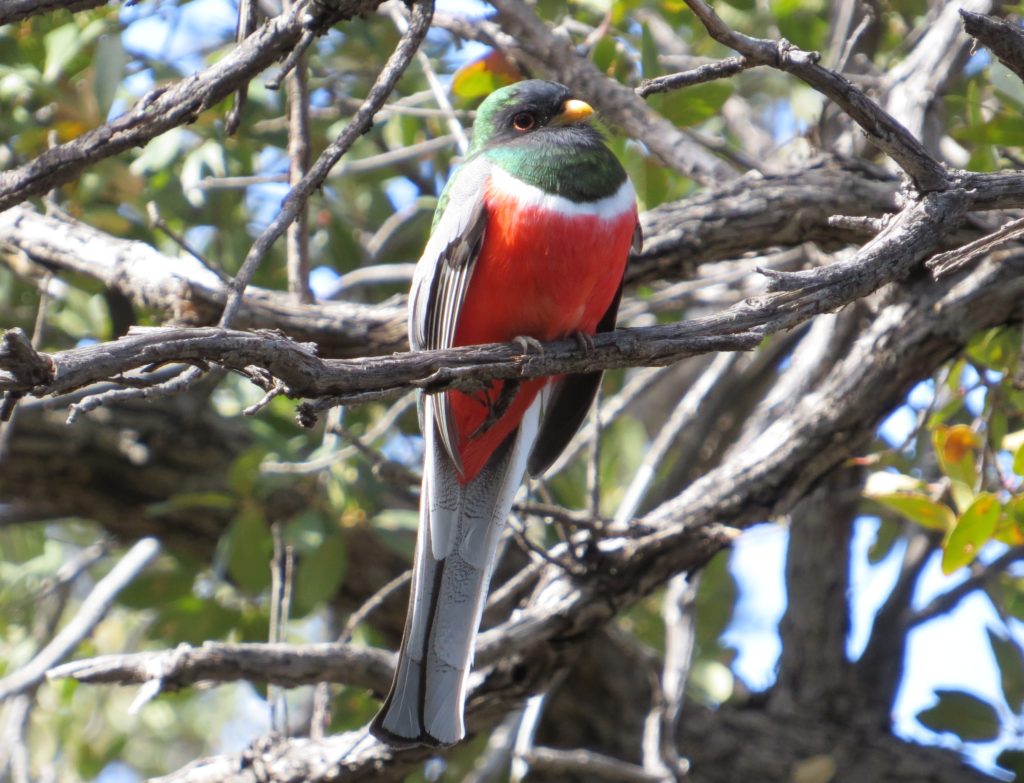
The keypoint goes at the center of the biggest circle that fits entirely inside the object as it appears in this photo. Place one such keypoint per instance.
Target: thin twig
(689, 407)
(282, 567)
(155, 220)
(947, 601)
(440, 95)
(8, 412)
(89, 614)
(722, 69)
(188, 377)
(345, 167)
(952, 261)
(588, 764)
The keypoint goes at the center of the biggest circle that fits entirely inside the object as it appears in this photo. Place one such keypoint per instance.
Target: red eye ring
(524, 121)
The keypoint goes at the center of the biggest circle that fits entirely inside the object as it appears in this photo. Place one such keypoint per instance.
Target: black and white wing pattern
(443, 273)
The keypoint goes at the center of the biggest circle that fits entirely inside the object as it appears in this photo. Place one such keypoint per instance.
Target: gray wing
(443, 273)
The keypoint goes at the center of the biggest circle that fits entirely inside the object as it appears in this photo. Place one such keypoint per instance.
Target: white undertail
(458, 537)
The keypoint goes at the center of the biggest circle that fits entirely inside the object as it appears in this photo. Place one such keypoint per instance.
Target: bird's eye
(524, 121)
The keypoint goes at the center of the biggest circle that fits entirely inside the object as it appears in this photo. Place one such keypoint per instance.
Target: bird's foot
(527, 343)
(584, 341)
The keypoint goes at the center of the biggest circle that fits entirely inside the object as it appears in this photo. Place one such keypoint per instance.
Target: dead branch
(1004, 39)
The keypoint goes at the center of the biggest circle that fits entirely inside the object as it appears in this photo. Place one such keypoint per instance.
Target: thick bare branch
(306, 375)
(757, 212)
(1004, 39)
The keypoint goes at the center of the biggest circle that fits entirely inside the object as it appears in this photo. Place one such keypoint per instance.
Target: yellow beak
(573, 111)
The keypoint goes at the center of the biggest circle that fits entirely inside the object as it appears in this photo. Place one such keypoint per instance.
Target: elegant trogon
(530, 239)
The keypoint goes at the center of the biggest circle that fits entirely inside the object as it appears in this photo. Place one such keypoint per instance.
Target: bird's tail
(460, 526)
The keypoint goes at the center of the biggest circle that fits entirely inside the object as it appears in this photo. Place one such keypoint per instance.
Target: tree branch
(1004, 39)
(905, 241)
(190, 293)
(881, 128)
(281, 664)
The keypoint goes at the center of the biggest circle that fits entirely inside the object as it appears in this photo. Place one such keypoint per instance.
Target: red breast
(541, 274)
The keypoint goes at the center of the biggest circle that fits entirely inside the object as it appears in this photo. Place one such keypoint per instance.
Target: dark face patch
(530, 109)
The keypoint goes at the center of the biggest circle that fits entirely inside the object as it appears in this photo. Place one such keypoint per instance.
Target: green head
(538, 132)
(525, 108)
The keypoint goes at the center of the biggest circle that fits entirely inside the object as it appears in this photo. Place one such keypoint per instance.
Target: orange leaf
(483, 76)
(960, 440)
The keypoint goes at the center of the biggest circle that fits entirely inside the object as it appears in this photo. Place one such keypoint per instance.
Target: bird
(529, 243)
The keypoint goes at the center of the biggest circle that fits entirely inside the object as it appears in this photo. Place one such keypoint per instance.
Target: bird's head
(533, 107)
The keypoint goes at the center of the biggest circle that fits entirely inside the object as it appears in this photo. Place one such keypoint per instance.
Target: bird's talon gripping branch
(584, 342)
(527, 343)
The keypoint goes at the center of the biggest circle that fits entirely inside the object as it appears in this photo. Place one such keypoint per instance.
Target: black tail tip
(399, 742)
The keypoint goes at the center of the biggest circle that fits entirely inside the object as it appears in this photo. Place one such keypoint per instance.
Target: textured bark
(1006, 40)
(189, 293)
(758, 212)
(729, 744)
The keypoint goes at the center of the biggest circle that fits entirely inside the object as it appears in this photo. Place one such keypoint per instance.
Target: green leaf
(1011, 669)
(1018, 460)
(319, 574)
(110, 62)
(694, 104)
(249, 550)
(61, 45)
(962, 714)
(919, 508)
(165, 581)
(161, 152)
(973, 530)
(945, 413)
(649, 54)
(998, 347)
(605, 54)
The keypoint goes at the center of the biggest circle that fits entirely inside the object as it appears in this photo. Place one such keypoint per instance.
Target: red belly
(540, 274)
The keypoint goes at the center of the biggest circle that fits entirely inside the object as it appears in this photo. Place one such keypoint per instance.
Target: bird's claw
(526, 343)
(584, 341)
